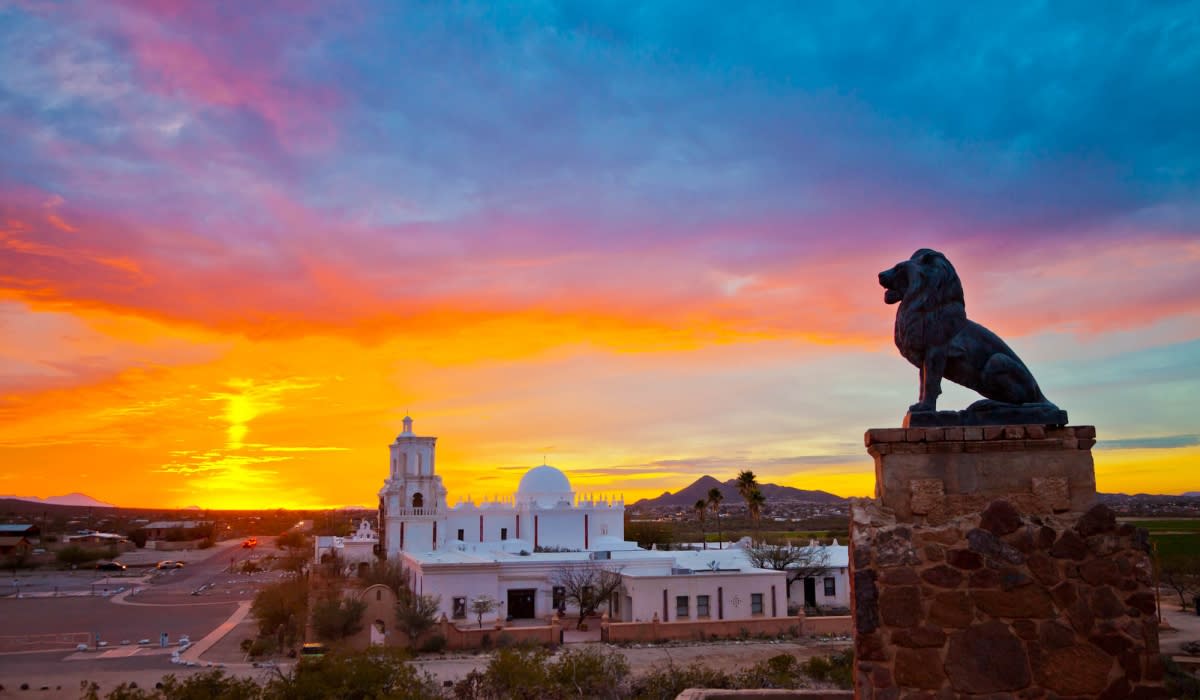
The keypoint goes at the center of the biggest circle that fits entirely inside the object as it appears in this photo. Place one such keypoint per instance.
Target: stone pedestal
(982, 568)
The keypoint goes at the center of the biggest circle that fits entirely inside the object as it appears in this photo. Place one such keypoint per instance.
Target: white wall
(645, 595)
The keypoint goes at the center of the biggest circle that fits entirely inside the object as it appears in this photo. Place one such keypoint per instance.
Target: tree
(336, 617)
(390, 573)
(746, 482)
(798, 562)
(587, 585)
(279, 610)
(702, 506)
(1181, 573)
(755, 504)
(483, 605)
(714, 500)
(416, 614)
(747, 486)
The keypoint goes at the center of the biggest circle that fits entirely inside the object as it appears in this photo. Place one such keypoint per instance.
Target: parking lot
(58, 609)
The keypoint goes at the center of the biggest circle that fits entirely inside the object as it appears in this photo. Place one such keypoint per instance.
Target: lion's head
(926, 278)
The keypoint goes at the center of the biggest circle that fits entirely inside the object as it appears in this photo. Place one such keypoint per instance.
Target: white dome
(546, 486)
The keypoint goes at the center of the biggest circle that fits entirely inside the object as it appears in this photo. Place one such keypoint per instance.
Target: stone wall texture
(1008, 600)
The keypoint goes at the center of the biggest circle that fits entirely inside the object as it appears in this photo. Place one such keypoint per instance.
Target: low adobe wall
(165, 546)
(655, 631)
(473, 637)
(834, 624)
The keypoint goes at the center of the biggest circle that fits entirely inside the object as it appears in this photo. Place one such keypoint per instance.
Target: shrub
(434, 644)
(668, 682)
(75, 555)
(779, 671)
(1180, 683)
(261, 647)
(280, 610)
(378, 672)
(517, 672)
(335, 618)
(590, 672)
(837, 669)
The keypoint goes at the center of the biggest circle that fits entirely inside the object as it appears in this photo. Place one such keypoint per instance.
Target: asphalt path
(193, 601)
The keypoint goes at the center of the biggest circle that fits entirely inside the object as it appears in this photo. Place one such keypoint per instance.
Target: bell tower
(412, 499)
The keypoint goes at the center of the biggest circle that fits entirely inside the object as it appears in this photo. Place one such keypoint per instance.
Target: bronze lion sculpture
(933, 332)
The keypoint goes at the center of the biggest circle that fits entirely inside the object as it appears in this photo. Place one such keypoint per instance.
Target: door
(810, 592)
(520, 603)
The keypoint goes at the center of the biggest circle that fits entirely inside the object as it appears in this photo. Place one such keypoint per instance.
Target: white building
(510, 550)
(358, 548)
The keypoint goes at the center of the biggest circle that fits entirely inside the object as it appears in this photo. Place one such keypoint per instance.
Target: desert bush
(75, 555)
(378, 674)
(837, 669)
(434, 644)
(200, 686)
(779, 671)
(668, 682)
(1180, 683)
(589, 672)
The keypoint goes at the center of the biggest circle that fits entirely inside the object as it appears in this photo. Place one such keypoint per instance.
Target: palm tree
(747, 484)
(714, 499)
(754, 504)
(702, 506)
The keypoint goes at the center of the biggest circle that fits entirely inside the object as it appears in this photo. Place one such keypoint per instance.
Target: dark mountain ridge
(774, 493)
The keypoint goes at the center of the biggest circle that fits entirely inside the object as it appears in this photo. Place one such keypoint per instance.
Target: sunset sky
(639, 240)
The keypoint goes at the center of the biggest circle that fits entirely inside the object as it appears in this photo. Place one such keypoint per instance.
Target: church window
(504, 533)
(460, 607)
(418, 501)
(462, 534)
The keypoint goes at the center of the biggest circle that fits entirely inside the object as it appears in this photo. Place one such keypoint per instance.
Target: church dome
(545, 486)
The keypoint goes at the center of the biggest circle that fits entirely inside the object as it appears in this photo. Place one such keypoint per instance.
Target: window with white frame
(830, 587)
(756, 606)
(681, 606)
(701, 606)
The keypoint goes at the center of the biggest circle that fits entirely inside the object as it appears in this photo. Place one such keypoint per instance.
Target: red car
(250, 543)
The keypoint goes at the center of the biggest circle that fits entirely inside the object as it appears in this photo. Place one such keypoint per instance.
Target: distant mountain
(70, 499)
(687, 496)
(1191, 494)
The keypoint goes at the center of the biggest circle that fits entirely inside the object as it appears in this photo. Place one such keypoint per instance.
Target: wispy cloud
(1165, 442)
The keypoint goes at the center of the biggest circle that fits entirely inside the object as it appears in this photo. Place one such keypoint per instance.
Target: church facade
(511, 550)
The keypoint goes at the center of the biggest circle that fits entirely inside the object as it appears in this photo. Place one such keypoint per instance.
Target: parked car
(313, 650)
(168, 564)
(111, 566)
(251, 543)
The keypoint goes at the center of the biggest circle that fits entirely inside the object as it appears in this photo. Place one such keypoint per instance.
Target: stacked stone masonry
(933, 474)
(980, 578)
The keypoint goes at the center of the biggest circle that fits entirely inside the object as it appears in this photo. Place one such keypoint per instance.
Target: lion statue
(934, 333)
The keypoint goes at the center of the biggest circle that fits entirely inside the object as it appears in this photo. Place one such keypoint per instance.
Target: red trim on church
(518, 526)
(535, 532)
(585, 531)
(435, 534)
(481, 528)
(401, 534)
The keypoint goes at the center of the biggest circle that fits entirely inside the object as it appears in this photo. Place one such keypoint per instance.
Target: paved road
(194, 600)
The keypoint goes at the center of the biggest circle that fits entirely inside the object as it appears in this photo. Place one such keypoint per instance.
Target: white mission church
(509, 551)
